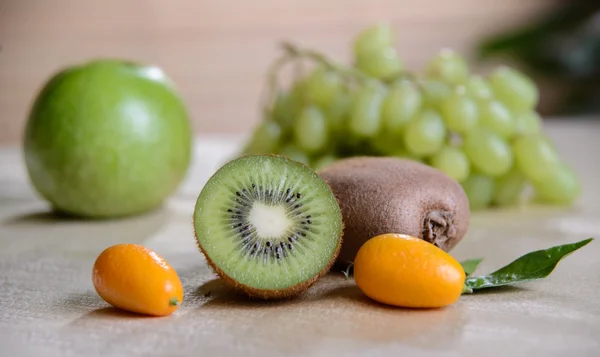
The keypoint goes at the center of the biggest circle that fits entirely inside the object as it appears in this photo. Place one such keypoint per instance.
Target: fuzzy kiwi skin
(266, 294)
(379, 195)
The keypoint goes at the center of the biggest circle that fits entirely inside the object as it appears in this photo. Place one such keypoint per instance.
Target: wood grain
(218, 51)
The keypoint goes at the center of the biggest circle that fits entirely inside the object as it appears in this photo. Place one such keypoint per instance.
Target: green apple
(107, 138)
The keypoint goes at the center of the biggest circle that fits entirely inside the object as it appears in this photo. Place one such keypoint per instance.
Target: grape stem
(272, 75)
(349, 72)
(294, 51)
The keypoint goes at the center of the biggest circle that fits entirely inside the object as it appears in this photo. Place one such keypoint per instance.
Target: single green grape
(448, 66)
(310, 130)
(365, 118)
(405, 154)
(400, 105)
(323, 161)
(322, 85)
(373, 38)
(479, 190)
(509, 188)
(383, 63)
(425, 134)
(460, 112)
(495, 116)
(337, 111)
(387, 142)
(294, 153)
(350, 144)
(478, 88)
(282, 110)
(434, 93)
(560, 188)
(288, 105)
(528, 122)
(536, 157)
(453, 162)
(488, 152)
(265, 139)
(514, 89)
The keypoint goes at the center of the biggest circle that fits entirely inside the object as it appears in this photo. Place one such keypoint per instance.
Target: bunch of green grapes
(483, 131)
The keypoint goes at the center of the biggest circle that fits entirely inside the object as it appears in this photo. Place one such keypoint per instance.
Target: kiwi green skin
(379, 195)
(107, 138)
(266, 294)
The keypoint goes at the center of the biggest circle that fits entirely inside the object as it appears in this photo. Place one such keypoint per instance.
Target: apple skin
(107, 138)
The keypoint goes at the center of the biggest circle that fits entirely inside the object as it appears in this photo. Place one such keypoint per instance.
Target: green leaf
(347, 271)
(532, 266)
(466, 290)
(470, 265)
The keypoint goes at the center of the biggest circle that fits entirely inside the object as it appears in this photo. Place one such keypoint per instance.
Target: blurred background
(218, 51)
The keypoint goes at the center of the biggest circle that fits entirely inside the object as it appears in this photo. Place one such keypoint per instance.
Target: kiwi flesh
(379, 195)
(269, 226)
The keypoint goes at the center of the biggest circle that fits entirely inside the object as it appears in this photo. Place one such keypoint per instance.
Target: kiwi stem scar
(438, 228)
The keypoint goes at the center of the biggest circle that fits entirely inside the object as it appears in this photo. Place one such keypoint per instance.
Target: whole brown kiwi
(380, 195)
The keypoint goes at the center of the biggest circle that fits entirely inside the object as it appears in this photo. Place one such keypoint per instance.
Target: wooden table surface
(48, 305)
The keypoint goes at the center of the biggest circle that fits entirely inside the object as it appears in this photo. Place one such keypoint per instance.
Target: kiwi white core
(271, 221)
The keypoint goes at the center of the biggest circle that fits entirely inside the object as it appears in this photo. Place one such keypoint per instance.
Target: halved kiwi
(268, 225)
